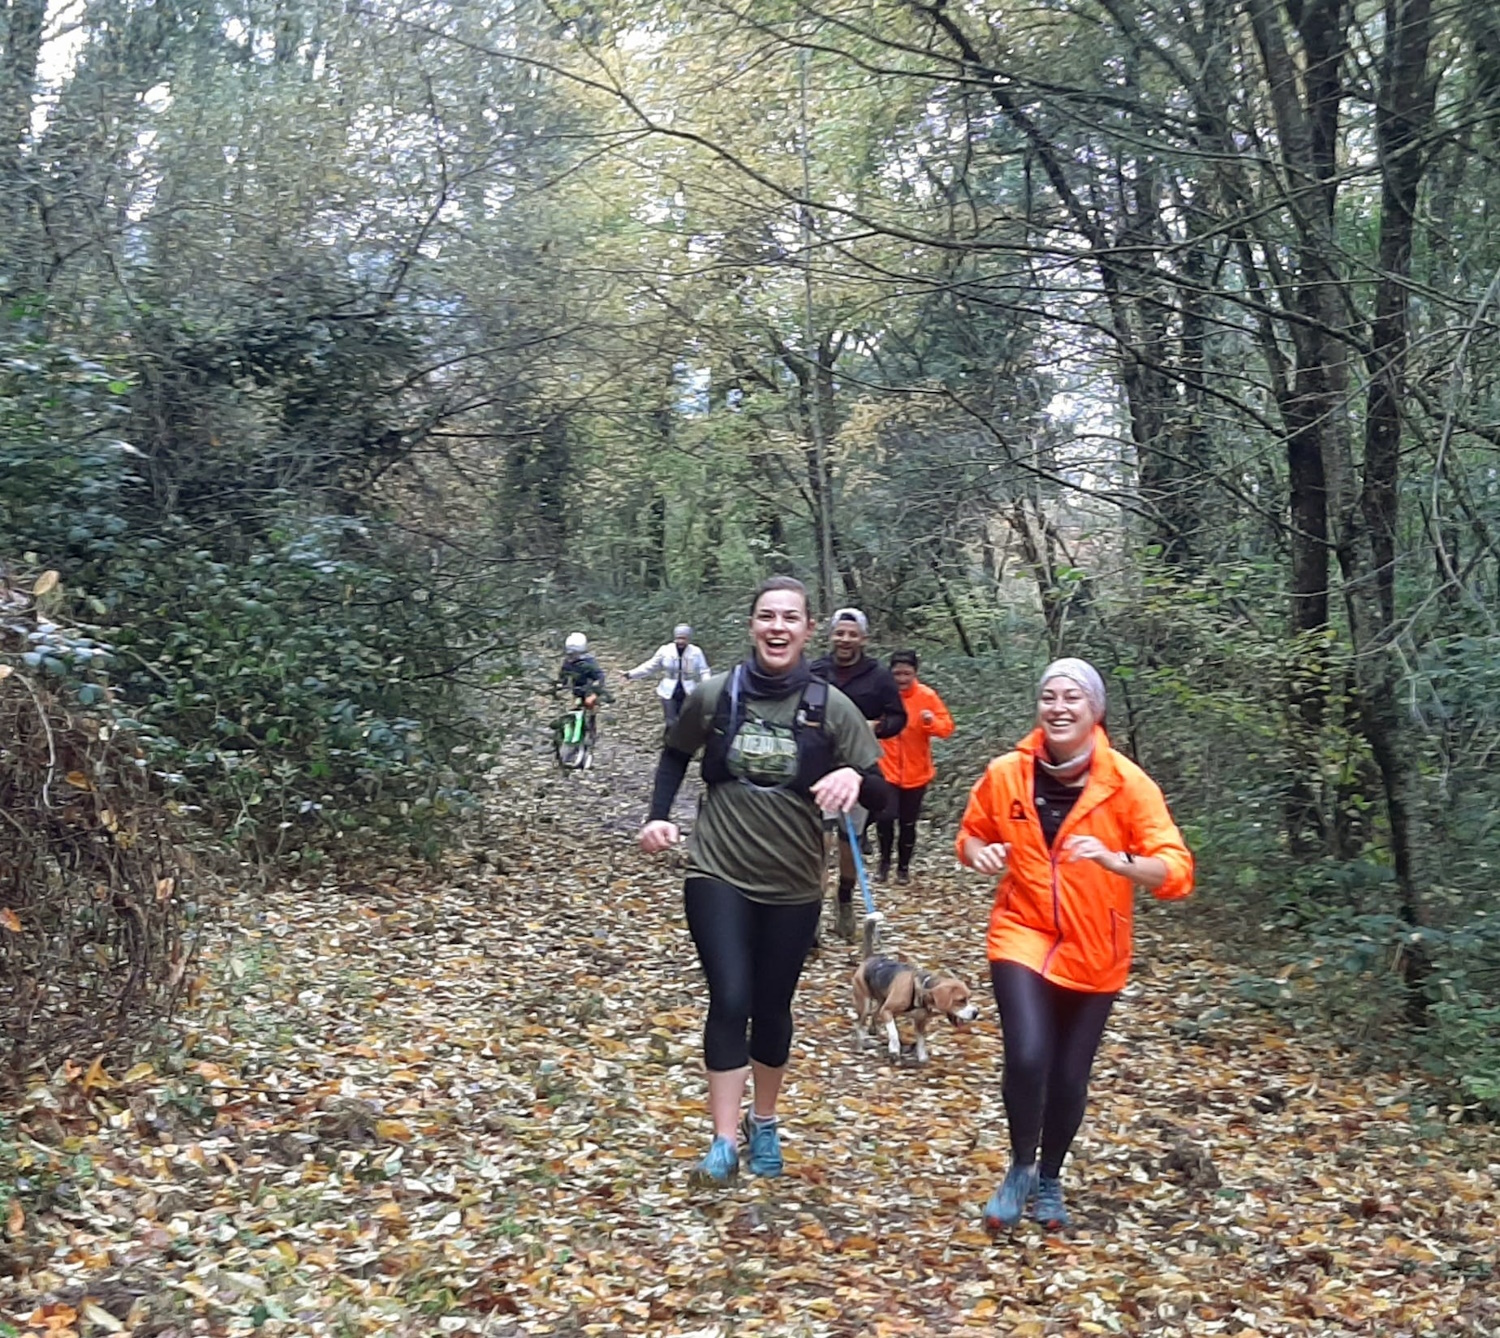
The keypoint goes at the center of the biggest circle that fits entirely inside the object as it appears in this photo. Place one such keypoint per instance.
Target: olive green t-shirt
(766, 842)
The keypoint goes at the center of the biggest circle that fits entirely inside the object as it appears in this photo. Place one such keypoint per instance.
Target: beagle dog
(885, 988)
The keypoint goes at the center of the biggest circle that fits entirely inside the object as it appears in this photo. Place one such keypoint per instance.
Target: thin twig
(51, 742)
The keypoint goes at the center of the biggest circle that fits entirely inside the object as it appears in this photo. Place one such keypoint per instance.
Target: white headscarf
(1082, 673)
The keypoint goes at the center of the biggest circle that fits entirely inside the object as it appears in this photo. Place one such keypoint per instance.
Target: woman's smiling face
(779, 628)
(1066, 716)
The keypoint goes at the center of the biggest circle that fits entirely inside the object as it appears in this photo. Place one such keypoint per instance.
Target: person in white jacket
(681, 665)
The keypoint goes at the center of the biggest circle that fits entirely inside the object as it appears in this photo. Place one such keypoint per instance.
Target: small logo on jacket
(1017, 811)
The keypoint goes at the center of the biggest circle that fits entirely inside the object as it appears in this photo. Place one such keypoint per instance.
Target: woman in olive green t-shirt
(754, 886)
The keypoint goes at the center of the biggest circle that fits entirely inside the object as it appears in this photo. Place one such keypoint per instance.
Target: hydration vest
(815, 747)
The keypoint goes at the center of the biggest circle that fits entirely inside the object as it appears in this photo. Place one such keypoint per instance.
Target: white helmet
(576, 643)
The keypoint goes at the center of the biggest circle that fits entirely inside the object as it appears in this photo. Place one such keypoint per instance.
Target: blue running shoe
(1008, 1203)
(1049, 1209)
(764, 1144)
(719, 1167)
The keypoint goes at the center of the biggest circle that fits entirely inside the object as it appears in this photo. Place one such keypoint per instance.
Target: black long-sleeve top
(869, 685)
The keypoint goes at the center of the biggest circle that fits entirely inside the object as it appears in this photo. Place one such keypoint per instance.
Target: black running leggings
(908, 810)
(1051, 1036)
(752, 955)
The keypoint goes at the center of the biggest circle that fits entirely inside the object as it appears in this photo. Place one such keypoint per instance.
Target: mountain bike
(574, 734)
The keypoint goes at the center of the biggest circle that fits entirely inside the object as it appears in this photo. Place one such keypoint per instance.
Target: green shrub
(286, 668)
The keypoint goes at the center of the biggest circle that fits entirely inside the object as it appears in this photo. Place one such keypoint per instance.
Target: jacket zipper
(1056, 912)
(1114, 934)
(1073, 818)
(1052, 862)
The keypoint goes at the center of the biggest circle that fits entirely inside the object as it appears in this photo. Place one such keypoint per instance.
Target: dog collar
(921, 992)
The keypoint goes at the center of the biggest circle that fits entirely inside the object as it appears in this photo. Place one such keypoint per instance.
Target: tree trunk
(1402, 115)
(654, 553)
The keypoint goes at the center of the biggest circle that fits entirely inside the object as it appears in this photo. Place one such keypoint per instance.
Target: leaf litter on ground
(466, 1100)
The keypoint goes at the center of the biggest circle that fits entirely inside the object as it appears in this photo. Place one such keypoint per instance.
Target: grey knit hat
(1082, 673)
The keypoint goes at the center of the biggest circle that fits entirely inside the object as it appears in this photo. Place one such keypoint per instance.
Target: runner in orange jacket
(1072, 828)
(907, 763)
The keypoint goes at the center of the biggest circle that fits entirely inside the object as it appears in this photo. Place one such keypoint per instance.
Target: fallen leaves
(467, 1103)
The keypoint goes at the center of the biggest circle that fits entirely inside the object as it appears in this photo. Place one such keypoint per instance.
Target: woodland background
(352, 352)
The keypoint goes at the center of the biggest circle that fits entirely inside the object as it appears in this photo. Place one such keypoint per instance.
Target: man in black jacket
(869, 685)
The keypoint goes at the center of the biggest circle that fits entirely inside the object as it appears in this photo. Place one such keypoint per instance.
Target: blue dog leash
(859, 864)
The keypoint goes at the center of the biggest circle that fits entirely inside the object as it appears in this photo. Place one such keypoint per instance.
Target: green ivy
(285, 676)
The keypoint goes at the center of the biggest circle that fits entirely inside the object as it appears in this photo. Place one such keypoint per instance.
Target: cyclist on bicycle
(582, 675)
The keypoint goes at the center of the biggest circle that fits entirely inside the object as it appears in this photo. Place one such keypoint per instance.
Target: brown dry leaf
(15, 1219)
(6, 670)
(96, 1079)
(45, 584)
(79, 781)
(97, 1314)
(393, 1130)
(10, 920)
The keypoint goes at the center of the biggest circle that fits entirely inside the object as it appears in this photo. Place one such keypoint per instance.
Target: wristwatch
(1129, 858)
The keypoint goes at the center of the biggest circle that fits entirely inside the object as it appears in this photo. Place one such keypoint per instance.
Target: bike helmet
(576, 643)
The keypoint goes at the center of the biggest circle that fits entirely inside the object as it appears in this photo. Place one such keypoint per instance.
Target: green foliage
(285, 670)
(284, 692)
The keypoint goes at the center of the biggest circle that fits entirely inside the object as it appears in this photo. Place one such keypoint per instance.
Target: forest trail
(468, 1102)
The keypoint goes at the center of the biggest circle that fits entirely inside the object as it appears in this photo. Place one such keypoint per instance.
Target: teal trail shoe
(1008, 1203)
(719, 1167)
(1050, 1210)
(764, 1144)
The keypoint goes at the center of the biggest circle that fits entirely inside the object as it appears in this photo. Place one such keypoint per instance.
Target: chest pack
(764, 748)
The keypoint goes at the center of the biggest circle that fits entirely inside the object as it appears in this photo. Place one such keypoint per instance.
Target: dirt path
(468, 1104)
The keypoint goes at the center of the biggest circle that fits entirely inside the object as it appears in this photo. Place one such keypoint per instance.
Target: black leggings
(752, 955)
(908, 810)
(1051, 1036)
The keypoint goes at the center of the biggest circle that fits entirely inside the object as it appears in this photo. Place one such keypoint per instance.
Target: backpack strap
(714, 767)
(814, 705)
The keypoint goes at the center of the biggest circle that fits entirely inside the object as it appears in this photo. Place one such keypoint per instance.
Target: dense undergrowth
(263, 681)
(286, 664)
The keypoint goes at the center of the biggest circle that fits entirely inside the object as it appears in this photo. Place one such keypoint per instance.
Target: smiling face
(1066, 717)
(681, 642)
(779, 628)
(847, 641)
(904, 674)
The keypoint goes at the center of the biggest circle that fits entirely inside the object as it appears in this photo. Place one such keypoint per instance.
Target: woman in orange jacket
(907, 763)
(1071, 828)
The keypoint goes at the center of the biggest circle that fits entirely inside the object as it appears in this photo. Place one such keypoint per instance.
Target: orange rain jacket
(1070, 920)
(906, 759)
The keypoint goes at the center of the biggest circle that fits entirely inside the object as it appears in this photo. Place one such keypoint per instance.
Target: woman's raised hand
(1092, 848)
(658, 836)
(992, 859)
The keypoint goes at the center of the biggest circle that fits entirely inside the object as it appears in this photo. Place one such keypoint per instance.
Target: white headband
(1082, 673)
